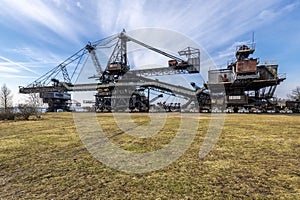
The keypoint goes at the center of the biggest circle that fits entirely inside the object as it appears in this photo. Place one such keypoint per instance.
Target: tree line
(22, 111)
(295, 95)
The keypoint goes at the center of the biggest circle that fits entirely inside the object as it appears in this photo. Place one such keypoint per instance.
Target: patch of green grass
(256, 157)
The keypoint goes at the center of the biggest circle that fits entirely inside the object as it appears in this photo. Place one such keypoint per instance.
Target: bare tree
(25, 111)
(33, 104)
(34, 100)
(5, 97)
(295, 95)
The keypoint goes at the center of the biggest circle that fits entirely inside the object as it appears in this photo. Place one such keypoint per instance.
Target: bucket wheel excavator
(118, 87)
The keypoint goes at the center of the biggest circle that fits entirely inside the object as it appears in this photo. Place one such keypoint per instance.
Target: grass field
(256, 157)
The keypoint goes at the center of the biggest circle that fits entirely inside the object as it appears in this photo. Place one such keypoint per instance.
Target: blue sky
(35, 36)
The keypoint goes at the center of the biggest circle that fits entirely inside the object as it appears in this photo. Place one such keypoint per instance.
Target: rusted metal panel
(246, 66)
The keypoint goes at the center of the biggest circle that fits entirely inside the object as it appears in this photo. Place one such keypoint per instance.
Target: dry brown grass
(257, 156)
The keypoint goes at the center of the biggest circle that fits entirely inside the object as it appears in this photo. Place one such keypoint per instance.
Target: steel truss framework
(121, 89)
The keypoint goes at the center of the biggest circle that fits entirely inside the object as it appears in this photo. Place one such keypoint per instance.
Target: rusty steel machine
(121, 88)
(117, 87)
(244, 84)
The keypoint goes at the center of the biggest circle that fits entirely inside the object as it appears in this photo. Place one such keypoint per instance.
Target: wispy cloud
(42, 13)
(34, 55)
(211, 23)
(273, 13)
(8, 69)
(19, 65)
(17, 76)
(79, 5)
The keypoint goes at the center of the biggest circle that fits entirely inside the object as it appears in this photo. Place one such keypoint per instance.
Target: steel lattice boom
(242, 85)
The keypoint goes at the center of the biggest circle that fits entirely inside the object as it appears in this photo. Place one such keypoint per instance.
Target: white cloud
(292, 6)
(16, 76)
(212, 23)
(8, 69)
(19, 65)
(34, 55)
(31, 14)
(79, 5)
(271, 14)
